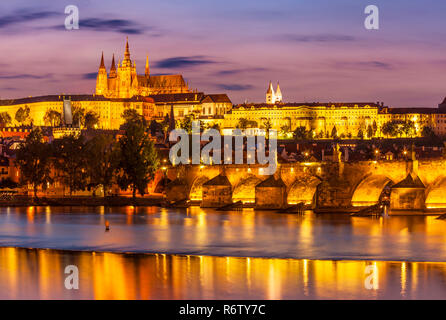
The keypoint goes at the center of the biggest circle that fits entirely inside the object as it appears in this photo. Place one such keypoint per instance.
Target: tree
(334, 132)
(131, 115)
(5, 119)
(408, 128)
(374, 127)
(243, 123)
(78, 116)
(186, 123)
(427, 132)
(91, 120)
(390, 129)
(267, 125)
(102, 160)
(215, 126)
(52, 118)
(300, 133)
(34, 161)
(22, 115)
(70, 161)
(138, 159)
(165, 126)
(369, 131)
(360, 134)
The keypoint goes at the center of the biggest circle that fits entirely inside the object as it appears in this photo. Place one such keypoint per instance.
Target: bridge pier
(271, 194)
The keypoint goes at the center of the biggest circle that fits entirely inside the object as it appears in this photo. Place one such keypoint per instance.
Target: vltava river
(203, 254)
(39, 274)
(242, 234)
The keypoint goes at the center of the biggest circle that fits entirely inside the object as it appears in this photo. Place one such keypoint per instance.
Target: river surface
(204, 254)
(196, 231)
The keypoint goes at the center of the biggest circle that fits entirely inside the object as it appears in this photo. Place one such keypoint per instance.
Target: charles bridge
(328, 185)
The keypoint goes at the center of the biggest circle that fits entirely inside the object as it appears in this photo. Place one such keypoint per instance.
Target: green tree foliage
(5, 119)
(52, 118)
(374, 127)
(360, 134)
(131, 115)
(78, 116)
(408, 128)
(242, 123)
(138, 158)
(91, 119)
(102, 159)
(334, 132)
(34, 161)
(22, 115)
(369, 131)
(186, 123)
(300, 133)
(70, 161)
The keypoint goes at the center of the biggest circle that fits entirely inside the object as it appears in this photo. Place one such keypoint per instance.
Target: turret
(147, 73)
(127, 62)
(270, 95)
(278, 94)
(101, 80)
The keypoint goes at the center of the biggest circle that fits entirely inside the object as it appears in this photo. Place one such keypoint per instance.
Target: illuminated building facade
(109, 110)
(346, 120)
(124, 82)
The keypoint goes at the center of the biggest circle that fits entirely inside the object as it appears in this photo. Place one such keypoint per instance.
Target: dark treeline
(130, 161)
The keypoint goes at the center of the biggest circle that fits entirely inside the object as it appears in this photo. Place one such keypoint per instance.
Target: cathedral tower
(270, 95)
(278, 94)
(147, 73)
(127, 82)
(102, 80)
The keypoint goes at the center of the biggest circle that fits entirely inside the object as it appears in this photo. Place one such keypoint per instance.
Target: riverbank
(115, 201)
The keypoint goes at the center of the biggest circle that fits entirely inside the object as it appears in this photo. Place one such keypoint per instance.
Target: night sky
(319, 50)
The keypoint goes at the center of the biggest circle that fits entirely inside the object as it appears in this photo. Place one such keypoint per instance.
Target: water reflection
(39, 274)
(248, 233)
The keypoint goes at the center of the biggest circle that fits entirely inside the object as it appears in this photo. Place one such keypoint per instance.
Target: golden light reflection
(403, 278)
(28, 273)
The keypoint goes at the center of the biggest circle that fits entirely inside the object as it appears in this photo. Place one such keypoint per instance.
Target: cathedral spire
(113, 67)
(127, 50)
(270, 95)
(270, 88)
(102, 66)
(278, 93)
(147, 66)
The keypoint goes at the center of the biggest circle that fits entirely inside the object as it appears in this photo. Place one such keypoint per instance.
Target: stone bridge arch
(196, 177)
(436, 193)
(244, 190)
(303, 189)
(369, 189)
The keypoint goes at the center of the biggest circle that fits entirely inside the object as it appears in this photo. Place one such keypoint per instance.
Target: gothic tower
(102, 80)
(127, 76)
(278, 94)
(270, 95)
(147, 73)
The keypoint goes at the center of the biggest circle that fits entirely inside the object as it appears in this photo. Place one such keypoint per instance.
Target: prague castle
(122, 88)
(124, 82)
(155, 96)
